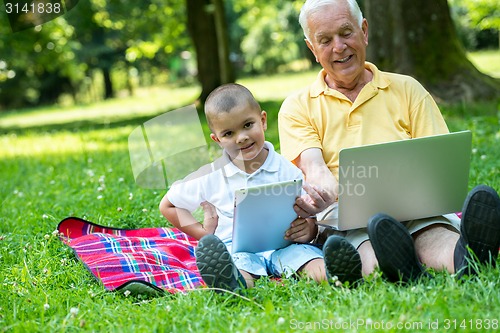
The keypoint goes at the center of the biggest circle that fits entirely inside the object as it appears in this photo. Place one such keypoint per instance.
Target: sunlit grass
(278, 87)
(146, 102)
(61, 143)
(487, 62)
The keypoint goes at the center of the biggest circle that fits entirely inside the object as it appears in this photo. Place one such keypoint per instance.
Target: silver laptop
(262, 215)
(407, 179)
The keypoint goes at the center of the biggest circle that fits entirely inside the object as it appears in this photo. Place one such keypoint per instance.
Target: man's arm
(321, 186)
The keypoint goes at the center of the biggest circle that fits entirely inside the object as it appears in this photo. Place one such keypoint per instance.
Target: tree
(476, 17)
(418, 38)
(37, 64)
(118, 31)
(270, 34)
(208, 29)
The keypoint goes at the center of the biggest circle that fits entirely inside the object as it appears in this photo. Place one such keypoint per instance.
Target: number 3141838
(36, 8)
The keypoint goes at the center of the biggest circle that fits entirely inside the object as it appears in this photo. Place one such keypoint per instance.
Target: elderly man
(352, 103)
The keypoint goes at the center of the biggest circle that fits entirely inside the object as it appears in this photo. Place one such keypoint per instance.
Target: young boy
(237, 125)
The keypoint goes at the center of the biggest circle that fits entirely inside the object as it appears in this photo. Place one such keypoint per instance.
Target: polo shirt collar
(271, 164)
(319, 86)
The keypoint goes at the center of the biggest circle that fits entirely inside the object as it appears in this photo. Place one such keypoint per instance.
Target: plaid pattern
(161, 257)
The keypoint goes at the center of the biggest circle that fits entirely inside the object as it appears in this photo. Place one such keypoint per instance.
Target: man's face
(339, 44)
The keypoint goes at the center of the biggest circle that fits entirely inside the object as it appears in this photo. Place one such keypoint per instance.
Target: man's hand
(321, 186)
(210, 217)
(302, 230)
(314, 201)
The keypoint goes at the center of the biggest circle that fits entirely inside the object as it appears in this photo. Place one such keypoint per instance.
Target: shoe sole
(394, 249)
(480, 226)
(215, 264)
(342, 260)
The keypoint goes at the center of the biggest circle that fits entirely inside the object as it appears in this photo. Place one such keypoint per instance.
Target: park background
(74, 88)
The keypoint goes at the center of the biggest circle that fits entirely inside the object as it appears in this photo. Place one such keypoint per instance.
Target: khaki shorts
(358, 236)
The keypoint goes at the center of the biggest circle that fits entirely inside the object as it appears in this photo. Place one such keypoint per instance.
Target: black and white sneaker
(479, 231)
(216, 265)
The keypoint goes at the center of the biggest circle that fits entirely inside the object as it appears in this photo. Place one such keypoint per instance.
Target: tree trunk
(226, 68)
(108, 84)
(418, 38)
(210, 41)
(53, 86)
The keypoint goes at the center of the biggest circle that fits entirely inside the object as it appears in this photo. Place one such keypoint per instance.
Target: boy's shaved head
(226, 97)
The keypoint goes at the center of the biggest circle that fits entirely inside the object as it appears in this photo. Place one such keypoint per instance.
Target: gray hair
(311, 7)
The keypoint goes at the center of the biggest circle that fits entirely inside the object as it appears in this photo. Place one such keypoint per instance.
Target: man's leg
(359, 241)
(435, 246)
(395, 249)
(368, 259)
(479, 230)
(438, 245)
(342, 260)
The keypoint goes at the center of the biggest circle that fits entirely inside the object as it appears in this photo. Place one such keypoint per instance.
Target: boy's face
(240, 132)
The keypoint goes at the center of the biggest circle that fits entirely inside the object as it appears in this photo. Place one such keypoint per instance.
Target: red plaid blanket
(140, 260)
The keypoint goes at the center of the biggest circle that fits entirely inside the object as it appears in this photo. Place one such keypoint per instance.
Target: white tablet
(262, 215)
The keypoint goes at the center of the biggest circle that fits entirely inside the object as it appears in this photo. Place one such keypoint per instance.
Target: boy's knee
(315, 270)
(249, 278)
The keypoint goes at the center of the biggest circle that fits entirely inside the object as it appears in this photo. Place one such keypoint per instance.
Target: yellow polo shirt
(390, 107)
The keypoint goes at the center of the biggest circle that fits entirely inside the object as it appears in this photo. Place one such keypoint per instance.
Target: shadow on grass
(271, 107)
(82, 125)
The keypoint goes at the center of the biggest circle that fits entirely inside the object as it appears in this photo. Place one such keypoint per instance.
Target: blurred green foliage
(97, 37)
(102, 48)
(477, 22)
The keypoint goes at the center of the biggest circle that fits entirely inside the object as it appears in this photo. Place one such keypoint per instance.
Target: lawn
(487, 61)
(58, 162)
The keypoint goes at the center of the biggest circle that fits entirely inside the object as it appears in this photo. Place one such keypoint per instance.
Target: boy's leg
(314, 269)
(298, 258)
(216, 265)
(251, 265)
(249, 278)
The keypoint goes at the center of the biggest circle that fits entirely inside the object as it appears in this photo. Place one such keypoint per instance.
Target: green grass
(52, 168)
(487, 61)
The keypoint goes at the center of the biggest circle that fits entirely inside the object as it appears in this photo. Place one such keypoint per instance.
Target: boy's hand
(302, 230)
(210, 217)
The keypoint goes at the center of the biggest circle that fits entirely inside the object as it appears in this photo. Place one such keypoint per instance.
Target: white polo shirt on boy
(216, 183)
